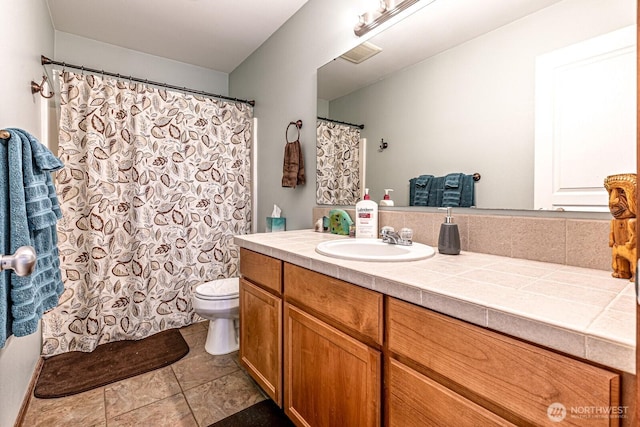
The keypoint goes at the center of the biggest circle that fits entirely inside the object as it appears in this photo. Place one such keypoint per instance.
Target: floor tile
(172, 411)
(217, 399)
(84, 409)
(199, 369)
(140, 391)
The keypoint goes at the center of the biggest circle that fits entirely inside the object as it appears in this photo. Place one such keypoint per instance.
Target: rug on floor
(261, 414)
(74, 372)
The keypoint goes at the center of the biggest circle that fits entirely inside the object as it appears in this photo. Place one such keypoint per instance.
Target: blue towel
(30, 210)
(422, 189)
(467, 194)
(452, 190)
(437, 191)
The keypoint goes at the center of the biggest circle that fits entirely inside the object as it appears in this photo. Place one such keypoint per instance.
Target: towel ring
(298, 125)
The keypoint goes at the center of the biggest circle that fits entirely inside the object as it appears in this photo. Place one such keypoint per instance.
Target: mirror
(454, 90)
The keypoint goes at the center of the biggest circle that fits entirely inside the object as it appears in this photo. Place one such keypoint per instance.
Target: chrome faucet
(404, 237)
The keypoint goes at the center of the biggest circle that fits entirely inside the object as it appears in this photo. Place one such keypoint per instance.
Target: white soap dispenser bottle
(367, 217)
(386, 201)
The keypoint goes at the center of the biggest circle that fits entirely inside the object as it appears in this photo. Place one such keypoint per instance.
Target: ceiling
(432, 29)
(215, 34)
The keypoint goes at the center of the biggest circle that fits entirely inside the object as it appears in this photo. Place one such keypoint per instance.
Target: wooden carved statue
(622, 237)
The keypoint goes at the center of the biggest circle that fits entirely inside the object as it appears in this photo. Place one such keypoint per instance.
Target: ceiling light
(386, 9)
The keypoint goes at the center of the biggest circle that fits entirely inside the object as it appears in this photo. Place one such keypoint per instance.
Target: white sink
(373, 250)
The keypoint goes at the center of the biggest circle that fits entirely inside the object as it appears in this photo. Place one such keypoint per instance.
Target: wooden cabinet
(261, 338)
(315, 344)
(331, 379)
(513, 378)
(415, 400)
(333, 336)
(261, 321)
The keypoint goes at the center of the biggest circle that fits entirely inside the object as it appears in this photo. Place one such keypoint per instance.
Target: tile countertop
(578, 311)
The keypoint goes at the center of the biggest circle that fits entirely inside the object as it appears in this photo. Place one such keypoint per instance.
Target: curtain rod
(46, 61)
(342, 123)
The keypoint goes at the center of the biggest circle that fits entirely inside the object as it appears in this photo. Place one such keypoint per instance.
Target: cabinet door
(416, 400)
(331, 379)
(261, 338)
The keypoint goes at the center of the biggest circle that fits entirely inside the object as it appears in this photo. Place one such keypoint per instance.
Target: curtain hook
(82, 70)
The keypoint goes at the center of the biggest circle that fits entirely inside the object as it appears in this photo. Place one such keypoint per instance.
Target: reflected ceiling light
(386, 9)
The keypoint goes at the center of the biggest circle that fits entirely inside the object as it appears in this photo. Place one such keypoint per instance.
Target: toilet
(218, 301)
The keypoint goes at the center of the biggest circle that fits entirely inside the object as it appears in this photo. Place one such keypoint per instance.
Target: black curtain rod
(46, 61)
(342, 123)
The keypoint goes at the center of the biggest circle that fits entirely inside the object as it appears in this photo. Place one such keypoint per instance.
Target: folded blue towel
(452, 191)
(421, 190)
(30, 210)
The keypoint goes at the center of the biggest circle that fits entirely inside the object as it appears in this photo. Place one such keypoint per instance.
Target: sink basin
(373, 250)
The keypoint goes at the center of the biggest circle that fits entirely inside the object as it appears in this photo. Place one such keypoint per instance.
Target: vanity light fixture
(386, 10)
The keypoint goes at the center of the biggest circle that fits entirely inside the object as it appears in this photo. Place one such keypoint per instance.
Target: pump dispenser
(386, 201)
(449, 239)
(367, 217)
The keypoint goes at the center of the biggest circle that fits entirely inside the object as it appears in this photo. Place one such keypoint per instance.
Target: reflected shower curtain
(338, 164)
(156, 184)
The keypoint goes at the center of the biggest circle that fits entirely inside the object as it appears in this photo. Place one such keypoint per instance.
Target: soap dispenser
(386, 201)
(449, 240)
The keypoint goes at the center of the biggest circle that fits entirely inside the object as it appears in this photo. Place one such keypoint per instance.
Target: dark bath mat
(74, 372)
(262, 414)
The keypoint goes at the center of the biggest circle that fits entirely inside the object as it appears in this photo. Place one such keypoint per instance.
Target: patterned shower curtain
(338, 164)
(156, 184)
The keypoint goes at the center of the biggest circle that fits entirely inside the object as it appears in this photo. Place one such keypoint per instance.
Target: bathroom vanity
(339, 342)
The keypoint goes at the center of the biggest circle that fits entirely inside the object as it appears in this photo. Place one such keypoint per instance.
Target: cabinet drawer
(261, 269)
(349, 305)
(520, 378)
(416, 400)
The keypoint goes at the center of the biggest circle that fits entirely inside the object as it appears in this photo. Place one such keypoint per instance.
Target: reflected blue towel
(467, 194)
(452, 190)
(30, 211)
(422, 190)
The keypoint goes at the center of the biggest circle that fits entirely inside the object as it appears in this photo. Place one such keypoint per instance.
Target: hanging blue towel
(467, 194)
(30, 211)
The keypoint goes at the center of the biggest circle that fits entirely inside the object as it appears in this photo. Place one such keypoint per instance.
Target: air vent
(361, 53)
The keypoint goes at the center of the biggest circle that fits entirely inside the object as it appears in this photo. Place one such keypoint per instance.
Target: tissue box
(276, 224)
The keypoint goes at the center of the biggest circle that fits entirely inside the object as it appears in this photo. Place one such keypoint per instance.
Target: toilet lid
(219, 289)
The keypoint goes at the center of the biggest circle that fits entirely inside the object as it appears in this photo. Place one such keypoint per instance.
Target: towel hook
(298, 125)
(39, 88)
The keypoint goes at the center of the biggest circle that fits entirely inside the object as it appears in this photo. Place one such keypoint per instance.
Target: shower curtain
(156, 183)
(338, 164)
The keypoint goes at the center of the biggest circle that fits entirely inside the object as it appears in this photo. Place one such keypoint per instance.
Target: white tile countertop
(578, 311)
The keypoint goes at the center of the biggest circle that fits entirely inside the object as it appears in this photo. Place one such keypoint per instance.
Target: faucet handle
(406, 234)
(386, 229)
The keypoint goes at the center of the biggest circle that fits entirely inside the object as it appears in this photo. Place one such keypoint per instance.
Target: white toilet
(218, 301)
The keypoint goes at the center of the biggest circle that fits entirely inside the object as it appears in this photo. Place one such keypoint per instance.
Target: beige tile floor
(197, 390)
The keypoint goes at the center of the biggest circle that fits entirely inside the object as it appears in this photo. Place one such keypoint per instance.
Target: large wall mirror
(453, 89)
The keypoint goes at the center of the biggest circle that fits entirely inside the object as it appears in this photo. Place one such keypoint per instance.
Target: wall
(471, 108)
(27, 34)
(281, 76)
(94, 54)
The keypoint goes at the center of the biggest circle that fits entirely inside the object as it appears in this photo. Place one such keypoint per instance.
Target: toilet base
(222, 337)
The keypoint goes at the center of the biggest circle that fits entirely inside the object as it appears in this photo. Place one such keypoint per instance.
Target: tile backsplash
(576, 242)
